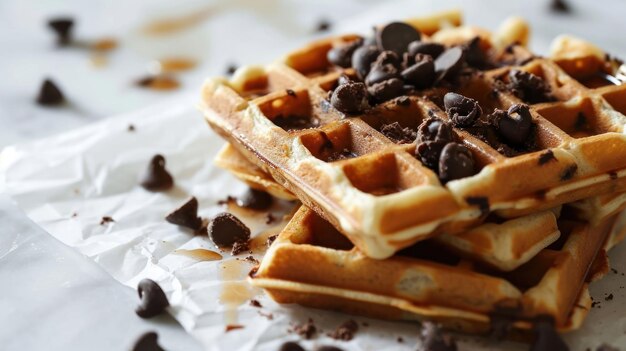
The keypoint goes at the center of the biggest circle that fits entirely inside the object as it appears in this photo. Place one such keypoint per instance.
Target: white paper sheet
(69, 182)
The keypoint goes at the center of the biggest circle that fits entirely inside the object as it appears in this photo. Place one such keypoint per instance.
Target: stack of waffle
(485, 186)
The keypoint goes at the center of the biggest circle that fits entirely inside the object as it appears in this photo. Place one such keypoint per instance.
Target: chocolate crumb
(481, 202)
(74, 214)
(255, 303)
(306, 330)
(399, 134)
(291, 93)
(323, 25)
(560, 6)
(271, 239)
(569, 172)
(269, 218)
(131, 128)
(400, 339)
(345, 331)
(614, 270)
(239, 247)
(546, 157)
(106, 219)
(609, 297)
(595, 303)
(251, 259)
(231, 69)
(233, 327)
(291, 346)
(62, 27)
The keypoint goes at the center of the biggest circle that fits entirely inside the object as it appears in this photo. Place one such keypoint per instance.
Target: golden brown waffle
(312, 264)
(374, 190)
(503, 244)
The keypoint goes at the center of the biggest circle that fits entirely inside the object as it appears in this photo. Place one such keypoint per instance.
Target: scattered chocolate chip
(147, 342)
(231, 327)
(546, 157)
(131, 128)
(546, 338)
(386, 90)
(342, 55)
(291, 346)
(609, 297)
(350, 98)
(62, 27)
(433, 339)
(461, 110)
(606, 347)
(449, 63)
(434, 129)
(421, 74)
(231, 69)
(186, 215)
(239, 247)
(515, 126)
(306, 330)
(363, 58)
(50, 94)
(569, 172)
(560, 6)
(345, 331)
(255, 303)
(157, 178)
(153, 299)
(481, 202)
(106, 219)
(429, 153)
(255, 199)
(424, 48)
(225, 230)
(399, 134)
(474, 55)
(396, 36)
(400, 339)
(323, 25)
(271, 239)
(529, 87)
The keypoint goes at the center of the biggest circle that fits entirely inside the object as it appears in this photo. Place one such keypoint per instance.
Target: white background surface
(235, 33)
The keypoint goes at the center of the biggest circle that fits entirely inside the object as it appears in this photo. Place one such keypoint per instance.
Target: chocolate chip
(433, 339)
(569, 172)
(291, 93)
(239, 247)
(546, 338)
(433, 129)
(363, 58)
(529, 87)
(62, 27)
(474, 55)
(350, 98)
(613, 175)
(396, 36)
(516, 124)
(456, 162)
(463, 111)
(147, 342)
(106, 219)
(388, 58)
(50, 94)
(345, 331)
(386, 90)
(291, 346)
(342, 55)
(424, 48)
(429, 152)
(153, 299)
(449, 63)
(255, 199)
(157, 178)
(397, 133)
(186, 215)
(328, 348)
(421, 74)
(546, 157)
(225, 230)
(560, 6)
(381, 72)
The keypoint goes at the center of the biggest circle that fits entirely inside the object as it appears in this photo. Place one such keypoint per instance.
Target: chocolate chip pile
(396, 61)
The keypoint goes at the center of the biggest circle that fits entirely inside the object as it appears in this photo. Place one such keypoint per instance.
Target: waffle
(312, 264)
(373, 189)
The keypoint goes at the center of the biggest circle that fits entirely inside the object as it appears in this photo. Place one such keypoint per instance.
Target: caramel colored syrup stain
(200, 254)
(104, 45)
(175, 64)
(235, 288)
(98, 61)
(159, 82)
(176, 24)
